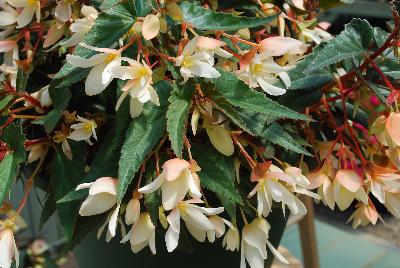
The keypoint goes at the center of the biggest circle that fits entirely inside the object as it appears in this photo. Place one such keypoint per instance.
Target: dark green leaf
(109, 27)
(65, 176)
(60, 98)
(48, 210)
(217, 175)
(207, 19)
(180, 102)
(5, 101)
(22, 80)
(352, 42)
(144, 7)
(142, 136)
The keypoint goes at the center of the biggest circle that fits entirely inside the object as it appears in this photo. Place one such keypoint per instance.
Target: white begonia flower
(102, 197)
(29, 8)
(231, 239)
(132, 211)
(195, 220)
(392, 203)
(139, 85)
(254, 240)
(214, 46)
(100, 76)
(37, 151)
(322, 180)
(151, 26)
(8, 248)
(347, 186)
(10, 57)
(219, 228)
(81, 26)
(364, 215)
(196, 62)
(63, 10)
(317, 35)
(43, 96)
(176, 179)
(8, 15)
(269, 188)
(84, 130)
(143, 233)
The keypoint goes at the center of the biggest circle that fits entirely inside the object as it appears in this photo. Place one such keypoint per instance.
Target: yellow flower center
(87, 128)
(142, 72)
(110, 57)
(182, 207)
(58, 138)
(257, 68)
(187, 61)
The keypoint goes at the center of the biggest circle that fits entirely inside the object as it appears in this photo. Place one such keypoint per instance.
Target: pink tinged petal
(209, 43)
(153, 186)
(97, 204)
(198, 234)
(173, 168)
(112, 224)
(202, 69)
(316, 180)
(104, 185)
(151, 26)
(278, 46)
(7, 45)
(25, 17)
(193, 215)
(378, 191)
(86, 63)
(276, 253)
(270, 89)
(93, 83)
(349, 179)
(393, 127)
(132, 211)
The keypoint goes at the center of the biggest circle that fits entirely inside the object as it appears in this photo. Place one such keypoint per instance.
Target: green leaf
(207, 19)
(5, 101)
(177, 114)
(217, 175)
(241, 95)
(144, 7)
(277, 135)
(352, 42)
(9, 165)
(22, 80)
(65, 176)
(142, 136)
(152, 201)
(109, 27)
(60, 98)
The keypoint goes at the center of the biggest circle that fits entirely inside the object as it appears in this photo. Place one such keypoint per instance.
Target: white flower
(175, 181)
(102, 197)
(219, 228)
(262, 72)
(392, 203)
(11, 55)
(8, 248)
(29, 8)
(347, 186)
(364, 215)
(37, 151)
(81, 26)
(143, 233)
(317, 35)
(8, 15)
(214, 46)
(43, 96)
(254, 240)
(195, 220)
(84, 130)
(150, 26)
(231, 239)
(63, 10)
(132, 211)
(270, 188)
(139, 85)
(100, 75)
(194, 62)
(322, 180)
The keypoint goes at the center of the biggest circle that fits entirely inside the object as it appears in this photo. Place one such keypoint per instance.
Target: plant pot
(97, 253)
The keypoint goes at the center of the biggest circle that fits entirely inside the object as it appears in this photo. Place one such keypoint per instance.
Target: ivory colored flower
(317, 34)
(63, 10)
(347, 186)
(151, 26)
(394, 156)
(102, 197)
(8, 15)
(43, 96)
(37, 151)
(132, 211)
(364, 215)
(381, 179)
(60, 137)
(392, 203)
(231, 239)
(194, 62)
(278, 46)
(322, 179)
(84, 130)
(386, 129)
(10, 58)
(272, 186)
(28, 9)
(142, 234)
(220, 138)
(195, 220)
(8, 248)
(219, 228)
(139, 86)
(81, 26)
(175, 181)
(100, 76)
(211, 45)
(254, 240)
